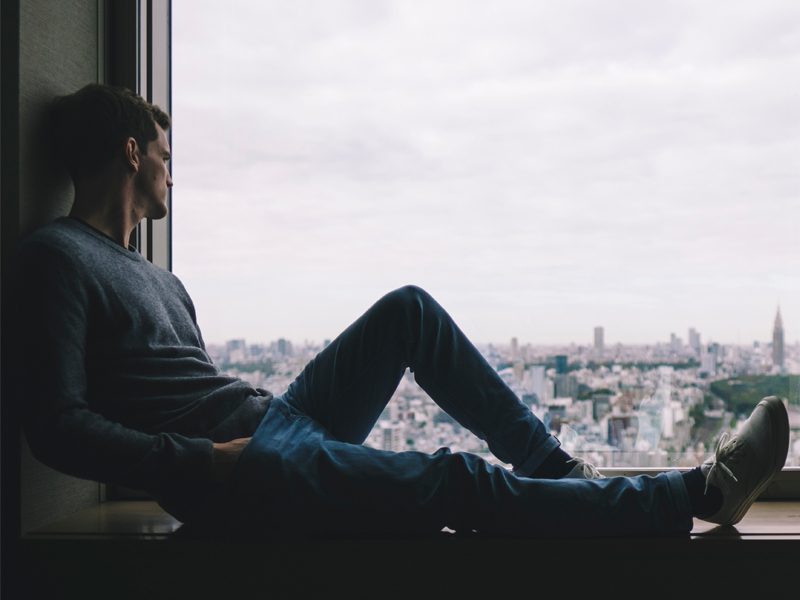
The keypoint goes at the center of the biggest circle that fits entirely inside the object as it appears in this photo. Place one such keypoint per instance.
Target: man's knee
(409, 296)
(407, 308)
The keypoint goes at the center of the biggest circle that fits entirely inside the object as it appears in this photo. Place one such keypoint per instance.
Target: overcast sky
(539, 167)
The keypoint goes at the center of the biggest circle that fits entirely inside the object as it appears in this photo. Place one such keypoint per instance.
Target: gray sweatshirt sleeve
(63, 431)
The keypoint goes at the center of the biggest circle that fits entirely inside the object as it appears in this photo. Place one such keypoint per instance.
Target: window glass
(604, 195)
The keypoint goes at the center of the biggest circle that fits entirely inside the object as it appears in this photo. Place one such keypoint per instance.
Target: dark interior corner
(49, 48)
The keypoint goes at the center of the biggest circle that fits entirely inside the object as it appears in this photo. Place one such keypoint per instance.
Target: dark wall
(57, 50)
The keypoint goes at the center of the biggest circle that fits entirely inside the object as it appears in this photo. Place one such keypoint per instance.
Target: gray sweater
(113, 375)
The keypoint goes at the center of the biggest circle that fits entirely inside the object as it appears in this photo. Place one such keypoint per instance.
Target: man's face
(154, 179)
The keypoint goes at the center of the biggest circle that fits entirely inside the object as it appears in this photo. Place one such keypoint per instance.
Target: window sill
(132, 545)
(145, 520)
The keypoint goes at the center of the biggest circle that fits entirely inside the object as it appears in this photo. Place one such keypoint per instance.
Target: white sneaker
(583, 470)
(744, 463)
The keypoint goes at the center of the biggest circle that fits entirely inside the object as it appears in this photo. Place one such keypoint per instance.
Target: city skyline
(540, 168)
(642, 408)
(694, 340)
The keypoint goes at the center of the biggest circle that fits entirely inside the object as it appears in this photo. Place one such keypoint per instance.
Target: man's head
(100, 127)
(92, 125)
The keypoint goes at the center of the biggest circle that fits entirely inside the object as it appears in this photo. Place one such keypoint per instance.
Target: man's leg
(347, 385)
(295, 478)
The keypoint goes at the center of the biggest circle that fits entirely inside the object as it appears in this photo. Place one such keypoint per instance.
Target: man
(117, 387)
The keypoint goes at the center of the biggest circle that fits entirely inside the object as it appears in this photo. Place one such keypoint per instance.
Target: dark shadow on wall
(48, 49)
(46, 193)
(47, 188)
(56, 48)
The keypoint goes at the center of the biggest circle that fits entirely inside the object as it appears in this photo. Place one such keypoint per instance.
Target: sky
(541, 168)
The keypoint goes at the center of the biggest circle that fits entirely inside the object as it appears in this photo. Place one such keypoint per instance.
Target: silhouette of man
(116, 386)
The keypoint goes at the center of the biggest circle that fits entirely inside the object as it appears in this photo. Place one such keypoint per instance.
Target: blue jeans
(305, 471)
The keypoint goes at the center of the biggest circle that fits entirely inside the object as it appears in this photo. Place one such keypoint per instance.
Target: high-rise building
(537, 381)
(561, 363)
(708, 361)
(777, 341)
(232, 345)
(566, 386)
(601, 405)
(519, 370)
(599, 341)
(236, 351)
(514, 348)
(618, 427)
(694, 340)
(675, 343)
(284, 347)
(392, 438)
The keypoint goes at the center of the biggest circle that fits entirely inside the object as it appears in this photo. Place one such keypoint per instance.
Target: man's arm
(225, 456)
(63, 431)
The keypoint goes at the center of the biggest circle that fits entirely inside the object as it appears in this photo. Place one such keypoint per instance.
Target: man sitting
(116, 386)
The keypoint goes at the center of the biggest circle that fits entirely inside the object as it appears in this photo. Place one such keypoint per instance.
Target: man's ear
(132, 157)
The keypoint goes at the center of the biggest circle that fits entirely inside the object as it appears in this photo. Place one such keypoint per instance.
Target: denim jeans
(305, 471)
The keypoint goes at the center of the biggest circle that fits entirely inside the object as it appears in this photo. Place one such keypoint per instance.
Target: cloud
(578, 159)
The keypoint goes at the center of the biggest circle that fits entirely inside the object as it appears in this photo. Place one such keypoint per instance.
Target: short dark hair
(90, 126)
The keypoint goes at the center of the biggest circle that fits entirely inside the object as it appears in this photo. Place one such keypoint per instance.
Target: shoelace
(719, 449)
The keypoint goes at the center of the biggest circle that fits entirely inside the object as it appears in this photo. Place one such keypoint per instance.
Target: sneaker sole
(779, 426)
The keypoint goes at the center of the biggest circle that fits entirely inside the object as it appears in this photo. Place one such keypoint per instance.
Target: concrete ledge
(143, 519)
(134, 549)
(140, 519)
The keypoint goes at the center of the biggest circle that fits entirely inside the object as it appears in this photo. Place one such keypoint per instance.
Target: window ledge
(145, 520)
(135, 546)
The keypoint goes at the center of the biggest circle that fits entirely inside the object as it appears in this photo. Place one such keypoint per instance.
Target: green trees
(741, 394)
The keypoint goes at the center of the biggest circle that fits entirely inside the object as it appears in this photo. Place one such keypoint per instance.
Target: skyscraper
(675, 343)
(777, 341)
(599, 341)
(566, 386)
(236, 351)
(538, 380)
(694, 340)
(284, 347)
(708, 361)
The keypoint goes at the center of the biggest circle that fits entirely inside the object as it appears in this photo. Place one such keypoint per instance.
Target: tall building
(514, 348)
(708, 361)
(236, 351)
(675, 343)
(519, 370)
(561, 363)
(777, 341)
(599, 341)
(537, 382)
(601, 405)
(694, 340)
(619, 428)
(392, 438)
(284, 347)
(566, 386)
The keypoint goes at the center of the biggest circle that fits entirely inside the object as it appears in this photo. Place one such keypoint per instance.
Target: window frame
(136, 37)
(135, 52)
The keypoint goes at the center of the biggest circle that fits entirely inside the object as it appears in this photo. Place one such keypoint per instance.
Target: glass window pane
(617, 183)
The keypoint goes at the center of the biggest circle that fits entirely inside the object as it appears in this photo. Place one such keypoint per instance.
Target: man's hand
(225, 456)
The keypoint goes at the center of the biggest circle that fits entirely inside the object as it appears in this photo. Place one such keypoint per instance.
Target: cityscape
(624, 406)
